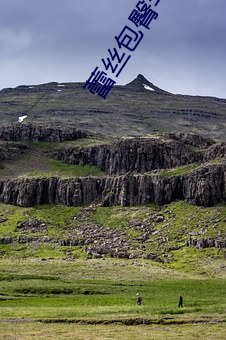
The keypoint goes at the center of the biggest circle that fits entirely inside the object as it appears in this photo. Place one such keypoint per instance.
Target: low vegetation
(111, 332)
(180, 170)
(177, 223)
(60, 293)
(60, 169)
(35, 162)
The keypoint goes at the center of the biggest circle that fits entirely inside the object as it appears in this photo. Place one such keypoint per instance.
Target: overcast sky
(64, 40)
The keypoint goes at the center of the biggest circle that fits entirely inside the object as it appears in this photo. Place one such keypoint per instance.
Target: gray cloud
(52, 40)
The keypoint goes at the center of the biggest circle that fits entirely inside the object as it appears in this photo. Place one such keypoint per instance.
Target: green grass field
(96, 299)
(37, 331)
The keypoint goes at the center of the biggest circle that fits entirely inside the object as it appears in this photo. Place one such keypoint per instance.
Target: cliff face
(10, 151)
(191, 139)
(202, 187)
(131, 155)
(215, 151)
(35, 133)
(125, 163)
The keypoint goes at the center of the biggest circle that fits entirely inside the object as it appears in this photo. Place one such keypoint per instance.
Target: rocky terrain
(39, 132)
(152, 236)
(11, 150)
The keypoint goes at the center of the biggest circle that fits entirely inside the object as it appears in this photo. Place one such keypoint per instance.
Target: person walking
(180, 301)
(139, 299)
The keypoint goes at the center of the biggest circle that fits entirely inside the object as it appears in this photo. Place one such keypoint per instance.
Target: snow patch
(61, 85)
(21, 118)
(148, 87)
(31, 87)
(59, 90)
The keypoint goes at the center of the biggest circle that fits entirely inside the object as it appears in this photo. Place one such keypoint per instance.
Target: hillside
(136, 109)
(113, 195)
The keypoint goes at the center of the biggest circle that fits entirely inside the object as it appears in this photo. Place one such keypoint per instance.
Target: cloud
(184, 50)
(13, 42)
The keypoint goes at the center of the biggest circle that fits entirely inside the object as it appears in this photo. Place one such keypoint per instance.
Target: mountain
(141, 83)
(138, 108)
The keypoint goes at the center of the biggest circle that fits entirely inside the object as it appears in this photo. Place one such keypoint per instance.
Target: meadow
(96, 299)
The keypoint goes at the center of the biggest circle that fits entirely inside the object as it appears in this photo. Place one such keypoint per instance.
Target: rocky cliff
(191, 139)
(215, 151)
(205, 186)
(37, 132)
(11, 151)
(132, 155)
(133, 167)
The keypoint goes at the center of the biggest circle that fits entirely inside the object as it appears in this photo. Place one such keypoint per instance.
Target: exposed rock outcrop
(32, 225)
(205, 186)
(34, 133)
(125, 162)
(191, 139)
(215, 151)
(10, 151)
(201, 243)
(131, 155)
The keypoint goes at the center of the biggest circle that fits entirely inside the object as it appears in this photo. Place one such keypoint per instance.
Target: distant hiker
(139, 299)
(180, 301)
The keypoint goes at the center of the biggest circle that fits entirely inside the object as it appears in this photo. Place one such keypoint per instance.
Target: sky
(184, 51)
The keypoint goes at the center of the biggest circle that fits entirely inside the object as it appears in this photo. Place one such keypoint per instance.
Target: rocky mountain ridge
(135, 109)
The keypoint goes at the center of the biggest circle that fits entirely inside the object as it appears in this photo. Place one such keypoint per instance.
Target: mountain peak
(140, 83)
(141, 77)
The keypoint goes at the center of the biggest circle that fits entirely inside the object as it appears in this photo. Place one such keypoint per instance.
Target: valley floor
(35, 331)
(96, 299)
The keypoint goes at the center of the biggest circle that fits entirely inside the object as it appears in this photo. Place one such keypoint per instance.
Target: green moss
(119, 217)
(182, 221)
(200, 261)
(179, 170)
(60, 169)
(56, 217)
(13, 215)
(114, 217)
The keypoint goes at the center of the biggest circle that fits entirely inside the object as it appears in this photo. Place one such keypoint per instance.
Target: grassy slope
(36, 163)
(123, 113)
(181, 219)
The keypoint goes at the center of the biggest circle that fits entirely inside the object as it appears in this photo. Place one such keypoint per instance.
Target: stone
(40, 132)
(159, 218)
